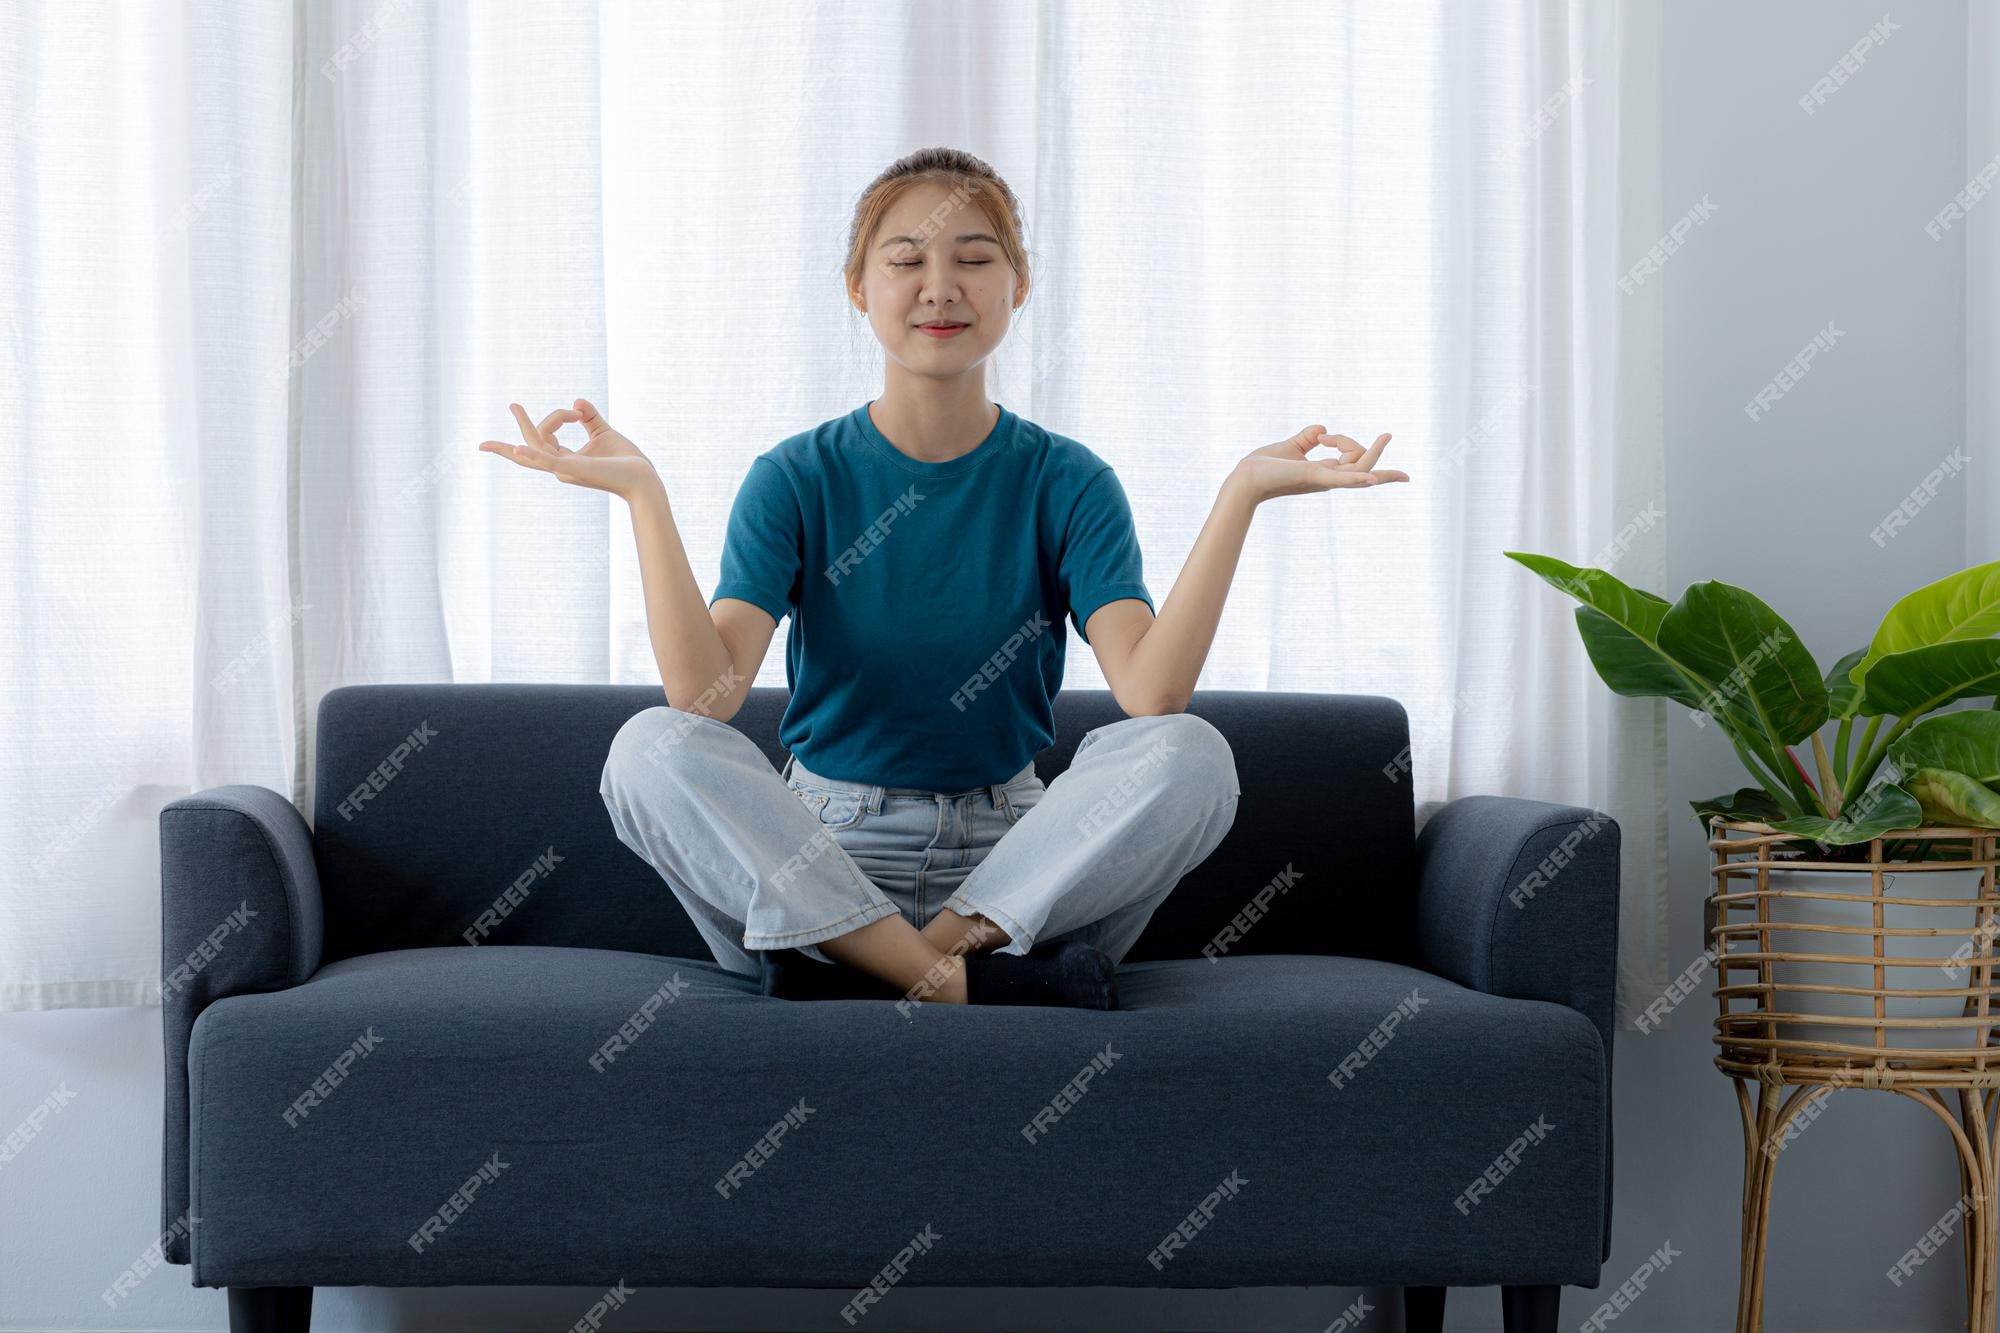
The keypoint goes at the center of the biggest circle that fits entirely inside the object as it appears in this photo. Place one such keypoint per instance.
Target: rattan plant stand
(1801, 1018)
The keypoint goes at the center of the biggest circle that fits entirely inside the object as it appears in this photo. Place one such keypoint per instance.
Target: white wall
(1820, 217)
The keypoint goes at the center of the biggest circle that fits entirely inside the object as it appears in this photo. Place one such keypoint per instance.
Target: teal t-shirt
(927, 599)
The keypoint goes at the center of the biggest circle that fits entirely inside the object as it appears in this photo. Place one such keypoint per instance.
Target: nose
(939, 289)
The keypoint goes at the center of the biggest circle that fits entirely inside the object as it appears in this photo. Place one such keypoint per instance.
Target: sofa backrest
(469, 788)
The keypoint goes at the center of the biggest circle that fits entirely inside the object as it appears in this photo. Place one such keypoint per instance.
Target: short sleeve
(763, 547)
(1100, 559)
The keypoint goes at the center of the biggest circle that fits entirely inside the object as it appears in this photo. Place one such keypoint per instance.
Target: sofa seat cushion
(604, 1116)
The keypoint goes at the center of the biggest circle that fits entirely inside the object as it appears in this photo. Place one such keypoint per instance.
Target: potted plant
(1903, 756)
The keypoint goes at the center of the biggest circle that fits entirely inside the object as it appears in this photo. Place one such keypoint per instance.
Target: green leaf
(1843, 696)
(1954, 798)
(1743, 803)
(1910, 684)
(1886, 806)
(1765, 678)
(1965, 742)
(1619, 625)
(1960, 606)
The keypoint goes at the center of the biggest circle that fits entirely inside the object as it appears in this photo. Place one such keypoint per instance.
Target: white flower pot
(1946, 961)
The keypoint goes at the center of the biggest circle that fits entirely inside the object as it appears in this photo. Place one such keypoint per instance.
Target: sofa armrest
(239, 913)
(1519, 898)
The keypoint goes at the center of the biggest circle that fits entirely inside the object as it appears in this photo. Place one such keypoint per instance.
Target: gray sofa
(456, 1033)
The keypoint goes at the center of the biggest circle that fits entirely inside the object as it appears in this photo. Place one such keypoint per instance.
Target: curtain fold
(145, 298)
(1243, 219)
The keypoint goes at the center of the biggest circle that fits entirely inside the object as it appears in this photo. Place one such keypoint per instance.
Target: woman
(927, 547)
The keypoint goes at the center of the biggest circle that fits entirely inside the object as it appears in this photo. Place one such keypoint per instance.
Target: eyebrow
(961, 239)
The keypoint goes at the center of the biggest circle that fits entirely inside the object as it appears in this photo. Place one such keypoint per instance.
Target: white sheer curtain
(145, 323)
(1244, 219)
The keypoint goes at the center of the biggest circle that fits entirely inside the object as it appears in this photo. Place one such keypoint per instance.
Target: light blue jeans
(767, 860)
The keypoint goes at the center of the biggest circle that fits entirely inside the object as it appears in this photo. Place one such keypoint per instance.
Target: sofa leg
(270, 1309)
(1423, 1309)
(1530, 1309)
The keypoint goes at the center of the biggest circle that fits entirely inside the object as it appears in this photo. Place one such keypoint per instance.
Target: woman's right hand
(607, 462)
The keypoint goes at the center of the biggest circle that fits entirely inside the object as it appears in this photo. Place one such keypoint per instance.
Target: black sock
(791, 975)
(1065, 972)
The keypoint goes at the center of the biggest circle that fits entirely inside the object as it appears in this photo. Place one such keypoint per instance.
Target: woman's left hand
(1284, 469)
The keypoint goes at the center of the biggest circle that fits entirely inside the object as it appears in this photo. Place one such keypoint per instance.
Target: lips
(942, 325)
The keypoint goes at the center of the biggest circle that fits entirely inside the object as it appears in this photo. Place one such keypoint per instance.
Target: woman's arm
(1160, 662)
(1151, 660)
(696, 665)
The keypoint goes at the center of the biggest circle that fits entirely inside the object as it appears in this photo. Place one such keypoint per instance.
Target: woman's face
(935, 258)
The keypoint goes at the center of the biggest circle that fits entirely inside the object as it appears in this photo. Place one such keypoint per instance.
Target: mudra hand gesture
(607, 462)
(1284, 469)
